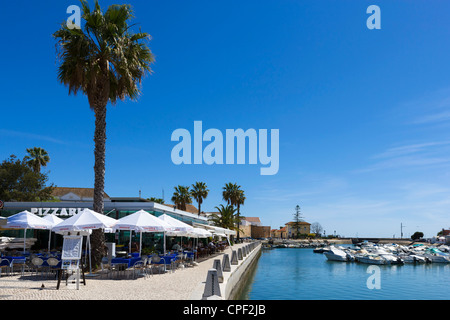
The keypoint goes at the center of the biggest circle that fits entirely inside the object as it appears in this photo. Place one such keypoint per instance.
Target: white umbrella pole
(164, 248)
(90, 264)
(49, 239)
(24, 239)
(140, 244)
(129, 245)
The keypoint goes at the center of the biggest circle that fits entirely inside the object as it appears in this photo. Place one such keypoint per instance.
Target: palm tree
(229, 193)
(106, 62)
(181, 197)
(226, 217)
(199, 193)
(36, 158)
(157, 200)
(234, 196)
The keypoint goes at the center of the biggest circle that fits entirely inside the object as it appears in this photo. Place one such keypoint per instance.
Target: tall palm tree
(234, 196)
(181, 197)
(106, 62)
(36, 158)
(199, 192)
(226, 217)
(229, 193)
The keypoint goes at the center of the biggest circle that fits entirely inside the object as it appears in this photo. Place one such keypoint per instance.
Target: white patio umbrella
(84, 221)
(27, 220)
(54, 220)
(142, 221)
(180, 228)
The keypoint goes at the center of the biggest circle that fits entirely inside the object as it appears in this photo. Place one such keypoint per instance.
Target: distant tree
(199, 193)
(417, 235)
(181, 197)
(157, 200)
(316, 228)
(297, 220)
(36, 158)
(19, 182)
(226, 218)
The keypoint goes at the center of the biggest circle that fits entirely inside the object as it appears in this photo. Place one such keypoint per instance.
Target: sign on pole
(71, 256)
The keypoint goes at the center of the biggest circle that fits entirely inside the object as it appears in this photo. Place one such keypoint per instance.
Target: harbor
(302, 274)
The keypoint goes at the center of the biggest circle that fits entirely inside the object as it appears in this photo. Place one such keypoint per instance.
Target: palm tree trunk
(238, 223)
(199, 206)
(97, 237)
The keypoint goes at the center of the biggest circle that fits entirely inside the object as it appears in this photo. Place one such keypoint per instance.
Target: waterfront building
(303, 228)
(70, 201)
(279, 233)
(251, 227)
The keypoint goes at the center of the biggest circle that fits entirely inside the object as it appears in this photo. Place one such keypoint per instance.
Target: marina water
(301, 274)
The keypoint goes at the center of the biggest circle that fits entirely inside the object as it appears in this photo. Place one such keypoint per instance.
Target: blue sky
(363, 115)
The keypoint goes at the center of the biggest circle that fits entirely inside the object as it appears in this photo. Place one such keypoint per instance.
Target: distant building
(303, 228)
(189, 208)
(76, 194)
(279, 233)
(289, 230)
(251, 221)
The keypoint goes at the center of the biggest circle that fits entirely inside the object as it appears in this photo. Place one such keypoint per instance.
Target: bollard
(218, 267)
(240, 254)
(234, 259)
(212, 287)
(226, 263)
(244, 251)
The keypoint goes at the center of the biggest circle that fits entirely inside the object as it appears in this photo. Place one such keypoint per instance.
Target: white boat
(335, 254)
(371, 259)
(436, 258)
(388, 256)
(413, 258)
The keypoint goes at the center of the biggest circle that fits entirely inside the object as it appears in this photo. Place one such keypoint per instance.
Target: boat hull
(334, 257)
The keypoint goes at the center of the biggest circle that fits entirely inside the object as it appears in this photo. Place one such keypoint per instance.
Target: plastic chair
(5, 265)
(37, 265)
(52, 263)
(21, 263)
(156, 261)
(140, 268)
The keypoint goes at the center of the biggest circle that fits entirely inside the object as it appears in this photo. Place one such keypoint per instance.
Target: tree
(157, 200)
(297, 220)
(199, 192)
(235, 197)
(105, 61)
(19, 182)
(36, 158)
(417, 235)
(181, 197)
(226, 217)
(316, 228)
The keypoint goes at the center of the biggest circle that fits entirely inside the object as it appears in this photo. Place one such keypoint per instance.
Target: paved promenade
(179, 285)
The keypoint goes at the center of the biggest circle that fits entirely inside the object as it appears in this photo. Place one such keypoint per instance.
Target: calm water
(301, 274)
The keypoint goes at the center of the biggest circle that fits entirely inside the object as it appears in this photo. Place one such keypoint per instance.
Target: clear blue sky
(363, 115)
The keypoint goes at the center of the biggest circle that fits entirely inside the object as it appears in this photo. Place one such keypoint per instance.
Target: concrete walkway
(179, 285)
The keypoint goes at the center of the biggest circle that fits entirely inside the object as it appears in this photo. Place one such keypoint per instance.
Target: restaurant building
(70, 201)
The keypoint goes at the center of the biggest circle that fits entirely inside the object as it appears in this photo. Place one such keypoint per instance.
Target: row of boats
(371, 253)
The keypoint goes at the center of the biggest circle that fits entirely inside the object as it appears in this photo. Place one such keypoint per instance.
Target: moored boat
(335, 254)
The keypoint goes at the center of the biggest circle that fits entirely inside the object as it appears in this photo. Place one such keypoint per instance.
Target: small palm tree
(226, 218)
(181, 197)
(199, 193)
(106, 62)
(36, 158)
